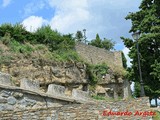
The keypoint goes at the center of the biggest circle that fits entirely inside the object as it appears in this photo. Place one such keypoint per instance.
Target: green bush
(68, 55)
(157, 116)
(5, 59)
(6, 39)
(98, 97)
(40, 47)
(16, 32)
(96, 72)
(20, 48)
(19, 40)
(106, 43)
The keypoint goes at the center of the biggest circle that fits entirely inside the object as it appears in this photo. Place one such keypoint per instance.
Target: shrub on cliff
(53, 39)
(17, 32)
(61, 47)
(96, 72)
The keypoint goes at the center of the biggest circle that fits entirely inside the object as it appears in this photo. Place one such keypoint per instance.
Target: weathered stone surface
(95, 55)
(86, 111)
(127, 89)
(3, 100)
(29, 85)
(5, 79)
(46, 72)
(56, 90)
(26, 99)
(11, 100)
(100, 89)
(17, 95)
(5, 93)
(79, 94)
(27, 102)
(4, 107)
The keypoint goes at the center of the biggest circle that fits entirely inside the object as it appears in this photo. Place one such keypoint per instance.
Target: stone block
(26, 102)
(30, 85)
(3, 100)
(11, 100)
(5, 79)
(5, 107)
(5, 93)
(126, 89)
(80, 95)
(17, 95)
(56, 90)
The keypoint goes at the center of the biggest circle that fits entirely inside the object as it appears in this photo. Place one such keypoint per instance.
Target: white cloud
(33, 22)
(126, 51)
(104, 17)
(70, 15)
(33, 7)
(6, 3)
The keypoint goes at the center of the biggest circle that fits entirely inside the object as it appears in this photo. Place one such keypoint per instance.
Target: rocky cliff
(46, 72)
(38, 66)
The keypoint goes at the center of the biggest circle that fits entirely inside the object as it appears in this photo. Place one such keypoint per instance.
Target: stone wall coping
(18, 89)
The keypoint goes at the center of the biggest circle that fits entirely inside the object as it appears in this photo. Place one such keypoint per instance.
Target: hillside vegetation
(44, 42)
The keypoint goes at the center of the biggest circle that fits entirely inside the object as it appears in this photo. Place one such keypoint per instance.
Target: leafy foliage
(124, 61)
(157, 116)
(16, 32)
(5, 59)
(16, 47)
(6, 39)
(96, 72)
(106, 44)
(61, 47)
(147, 22)
(68, 55)
(79, 36)
(45, 35)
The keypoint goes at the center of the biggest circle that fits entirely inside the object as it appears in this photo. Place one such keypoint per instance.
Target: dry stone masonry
(95, 55)
(29, 95)
(136, 109)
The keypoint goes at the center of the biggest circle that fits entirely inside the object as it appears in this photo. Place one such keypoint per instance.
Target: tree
(147, 22)
(96, 42)
(106, 43)
(79, 36)
(17, 32)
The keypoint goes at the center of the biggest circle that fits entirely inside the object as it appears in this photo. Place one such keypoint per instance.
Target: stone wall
(29, 95)
(110, 86)
(136, 109)
(95, 55)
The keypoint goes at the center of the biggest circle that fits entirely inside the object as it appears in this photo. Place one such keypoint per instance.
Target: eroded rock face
(46, 72)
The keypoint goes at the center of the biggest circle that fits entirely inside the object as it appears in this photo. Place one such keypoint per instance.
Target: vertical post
(84, 30)
(142, 94)
(136, 36)
(156, 102)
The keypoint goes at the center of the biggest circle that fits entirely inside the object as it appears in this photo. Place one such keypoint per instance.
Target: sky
(105, 17)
